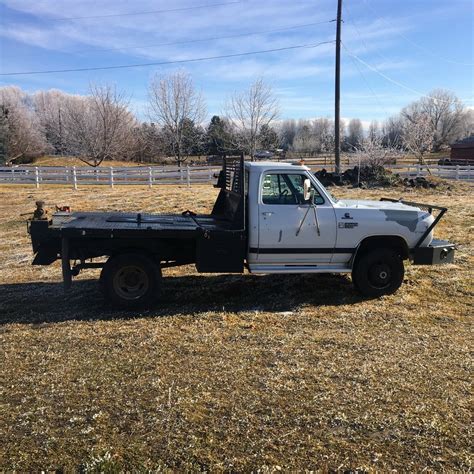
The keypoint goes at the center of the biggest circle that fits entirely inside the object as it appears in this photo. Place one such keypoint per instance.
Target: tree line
(100, 126)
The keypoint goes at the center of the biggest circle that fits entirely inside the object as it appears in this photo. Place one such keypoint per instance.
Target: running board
(268, 268)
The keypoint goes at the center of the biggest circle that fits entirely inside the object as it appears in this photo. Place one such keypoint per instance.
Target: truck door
(282, 210)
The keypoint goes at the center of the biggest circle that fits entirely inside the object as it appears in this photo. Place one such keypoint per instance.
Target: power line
(111, 15)
(393, 81)
(359, 34)
(420, 47)
(162, 63)
(200, 40)
(369, 86)
(357, 64)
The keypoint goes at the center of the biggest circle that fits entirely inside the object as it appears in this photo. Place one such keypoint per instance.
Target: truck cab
(330, 230)
(269, 217)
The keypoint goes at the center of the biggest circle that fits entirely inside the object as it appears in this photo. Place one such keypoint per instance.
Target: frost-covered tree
(445, 112)
(372, 152)
(287, 132)
(98, 127)
(305, 140)
(355, 134)
(50, 107)
(22, 134)
(322, 130)
(418, 134)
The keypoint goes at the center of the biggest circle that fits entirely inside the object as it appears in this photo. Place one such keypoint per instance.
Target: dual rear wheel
(131, 280)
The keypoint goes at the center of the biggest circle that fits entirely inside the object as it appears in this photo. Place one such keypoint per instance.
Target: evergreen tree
(268, 137)
(219, 136)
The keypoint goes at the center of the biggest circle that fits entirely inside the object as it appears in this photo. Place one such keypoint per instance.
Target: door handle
(267, 213)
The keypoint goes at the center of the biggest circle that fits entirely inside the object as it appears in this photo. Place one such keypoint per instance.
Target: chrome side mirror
(307, 189)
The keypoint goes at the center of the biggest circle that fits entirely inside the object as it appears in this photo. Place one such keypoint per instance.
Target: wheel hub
(131, 282)
(380, 275)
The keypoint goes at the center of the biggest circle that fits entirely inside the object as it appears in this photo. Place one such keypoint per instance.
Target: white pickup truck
(269, 218)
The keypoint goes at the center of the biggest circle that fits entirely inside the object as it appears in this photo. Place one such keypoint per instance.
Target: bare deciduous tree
(249, 110)
(304, 141)
(146, 143)
(467, 124)
(98, 126)
(418, 133)
(173, 103)
(287, 131)
(392, 131)
(322, 128)
(355, 134)
(374, 132)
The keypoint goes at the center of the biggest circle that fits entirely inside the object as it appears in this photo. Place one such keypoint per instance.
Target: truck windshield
(331, 196)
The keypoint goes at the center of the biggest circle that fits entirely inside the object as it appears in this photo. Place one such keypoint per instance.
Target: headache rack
(230, 204)
(426, 207)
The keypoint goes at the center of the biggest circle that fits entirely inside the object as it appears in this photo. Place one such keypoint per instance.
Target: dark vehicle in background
(264, 155)
(444, 162)
(214, 160)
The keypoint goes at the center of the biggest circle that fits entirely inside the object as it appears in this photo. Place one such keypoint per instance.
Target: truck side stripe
(301, 250)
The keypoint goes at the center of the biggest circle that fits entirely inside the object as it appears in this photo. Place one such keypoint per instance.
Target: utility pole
(337, 95)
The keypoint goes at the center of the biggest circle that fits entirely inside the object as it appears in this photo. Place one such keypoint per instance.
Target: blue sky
(418, 45)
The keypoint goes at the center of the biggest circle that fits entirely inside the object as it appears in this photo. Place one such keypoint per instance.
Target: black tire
(131, 281)
(378, 272)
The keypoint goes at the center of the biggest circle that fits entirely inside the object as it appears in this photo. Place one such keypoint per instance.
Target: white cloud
(303, 78)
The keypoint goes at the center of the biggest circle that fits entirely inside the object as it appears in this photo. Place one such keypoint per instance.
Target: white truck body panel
(343, 224)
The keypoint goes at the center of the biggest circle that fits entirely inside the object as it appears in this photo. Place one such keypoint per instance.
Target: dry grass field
(233, 373)
(73, 161)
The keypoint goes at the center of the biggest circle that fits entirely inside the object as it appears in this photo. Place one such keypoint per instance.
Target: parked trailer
(268, 217)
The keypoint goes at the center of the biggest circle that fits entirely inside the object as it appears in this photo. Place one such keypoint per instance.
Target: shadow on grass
(40, 302)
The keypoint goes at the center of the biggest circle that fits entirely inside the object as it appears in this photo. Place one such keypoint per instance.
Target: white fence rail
(187, 176)
(458, 172)
(110, 176)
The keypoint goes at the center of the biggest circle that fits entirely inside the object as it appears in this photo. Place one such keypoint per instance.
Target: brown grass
(233, 372)
(74, 161)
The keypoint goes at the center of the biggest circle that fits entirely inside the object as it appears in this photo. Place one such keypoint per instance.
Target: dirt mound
(365, 176)
(376, 176)
(429, 183)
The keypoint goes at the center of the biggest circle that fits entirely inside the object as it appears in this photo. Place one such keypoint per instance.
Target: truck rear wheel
(131, 280)
(378, 272)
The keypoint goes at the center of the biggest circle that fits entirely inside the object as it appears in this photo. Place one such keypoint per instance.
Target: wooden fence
(186, 176)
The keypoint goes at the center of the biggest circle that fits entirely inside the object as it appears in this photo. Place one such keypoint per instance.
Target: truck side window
(285, 189)
(297, 181)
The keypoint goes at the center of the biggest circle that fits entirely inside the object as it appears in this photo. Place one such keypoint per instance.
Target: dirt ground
(233, 372)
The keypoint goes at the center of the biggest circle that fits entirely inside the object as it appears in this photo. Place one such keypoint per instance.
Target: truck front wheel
(131, 280)
(378, 272)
